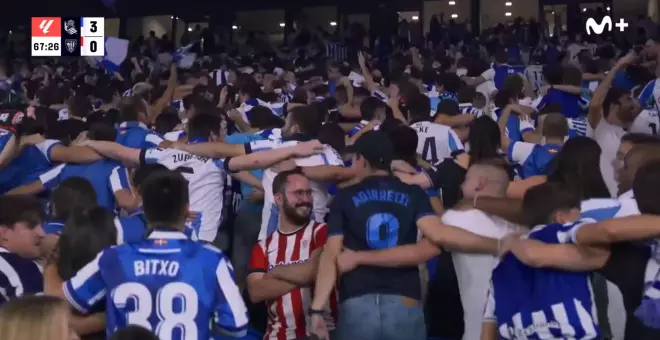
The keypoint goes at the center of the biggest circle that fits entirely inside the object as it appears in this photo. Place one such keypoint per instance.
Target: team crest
(160, 242)
(71, 45)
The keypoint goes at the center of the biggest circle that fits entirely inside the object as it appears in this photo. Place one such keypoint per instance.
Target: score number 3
(169, 319)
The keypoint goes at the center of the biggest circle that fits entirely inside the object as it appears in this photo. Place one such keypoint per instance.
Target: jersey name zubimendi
(206, 181)
(542, 303)
(157, 284)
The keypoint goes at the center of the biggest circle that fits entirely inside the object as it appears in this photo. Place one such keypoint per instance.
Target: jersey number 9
(169, 319)
(382, 231)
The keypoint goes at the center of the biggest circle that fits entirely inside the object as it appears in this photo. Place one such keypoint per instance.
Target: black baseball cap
(376, 147)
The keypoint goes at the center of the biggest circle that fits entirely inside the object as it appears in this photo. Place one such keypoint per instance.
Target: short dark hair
(165, 198)
(144, 171)
(613, 96)
(133, 332)
(166, 122)
(369, 106)
(542, 201)
(279, 182)
(102, 131)
(202, 125)
(73, 194)
(555, 125)
(645, 188)
(20, 208)
(261, 117)
(307, 120)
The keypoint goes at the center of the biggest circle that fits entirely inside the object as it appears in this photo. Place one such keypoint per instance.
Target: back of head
(450, 82)
(484, 139)
(79, 106)
(261, 117)
(613, 97)
(306, 119)
(501, 57)
(554, 126)
(492, 176)
(369, 106)
(448, 107)
(204, 126)
(553, 73)
(166, 122)
(332, 134)
(31, 317)
(577, 166)
(466, 94)
(419, 107)
(165, 199)
(543, 201)
(514, 84)
(73, 194)
(130, 108)
(572, 75)
(102, 132)
(404, 139)
(133, 332)
(85, 234)
(144, 171)
(502, 99)
(645, 188)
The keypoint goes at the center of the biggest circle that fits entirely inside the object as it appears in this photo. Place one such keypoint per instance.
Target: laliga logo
(591, 25)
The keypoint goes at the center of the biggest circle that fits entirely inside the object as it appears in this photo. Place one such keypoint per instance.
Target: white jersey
(436, 141)
(646, 122)
(206, 181)
(534, 74)
(270, 212)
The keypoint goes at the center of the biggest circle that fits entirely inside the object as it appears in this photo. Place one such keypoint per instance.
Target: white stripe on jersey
(436, 141)
(647, 122)
(319, 189)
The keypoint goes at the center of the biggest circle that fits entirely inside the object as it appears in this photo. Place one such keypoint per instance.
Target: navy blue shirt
(18, 276)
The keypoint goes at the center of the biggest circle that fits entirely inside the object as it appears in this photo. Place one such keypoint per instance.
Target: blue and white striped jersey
(137, 135)
(649, 98)
(542, 303)
(532, 158)
(206, 177)
(18, 276)
(157, 284)
(436, 141)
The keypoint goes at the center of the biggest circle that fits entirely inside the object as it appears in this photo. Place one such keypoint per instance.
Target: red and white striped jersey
(287, 315)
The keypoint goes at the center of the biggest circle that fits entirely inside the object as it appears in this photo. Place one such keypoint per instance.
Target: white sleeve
(46, 146)
(520, 151)
(153, 138)
(489, 74)
(331, 156)
(261, 145)
(172, 136)
(119, 179)
(454, 142)
(489, 308)
(158, 155)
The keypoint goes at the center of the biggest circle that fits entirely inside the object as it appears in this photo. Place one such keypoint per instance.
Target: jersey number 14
(168, 318)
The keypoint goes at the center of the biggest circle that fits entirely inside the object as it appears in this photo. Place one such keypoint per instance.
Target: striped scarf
(648, 311)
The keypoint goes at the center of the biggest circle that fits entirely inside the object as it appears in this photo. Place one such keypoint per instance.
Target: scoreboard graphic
(68, 36)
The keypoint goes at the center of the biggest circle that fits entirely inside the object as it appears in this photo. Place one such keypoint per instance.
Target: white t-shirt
(608, 137)
(270, 212)
(436, 141)
(474, 270)
(206, 181)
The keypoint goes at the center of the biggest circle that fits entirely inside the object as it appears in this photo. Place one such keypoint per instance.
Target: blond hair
(30, 317)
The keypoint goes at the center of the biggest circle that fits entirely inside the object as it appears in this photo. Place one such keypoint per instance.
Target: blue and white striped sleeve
(519, 152)
(87, 287)
(232, 314)
(47, 146)
(260, 145)
(119, 179)
(539, 103)
(571, 229)
(646, 96)
(153, 139)
(51, 178)
(454, 142)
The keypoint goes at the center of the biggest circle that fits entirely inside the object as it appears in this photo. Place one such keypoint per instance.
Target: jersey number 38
(168, 318)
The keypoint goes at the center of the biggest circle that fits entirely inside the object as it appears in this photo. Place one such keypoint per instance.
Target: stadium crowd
(499, 186)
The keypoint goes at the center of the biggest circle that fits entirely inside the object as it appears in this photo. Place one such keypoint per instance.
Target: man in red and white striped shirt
(283, 267)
